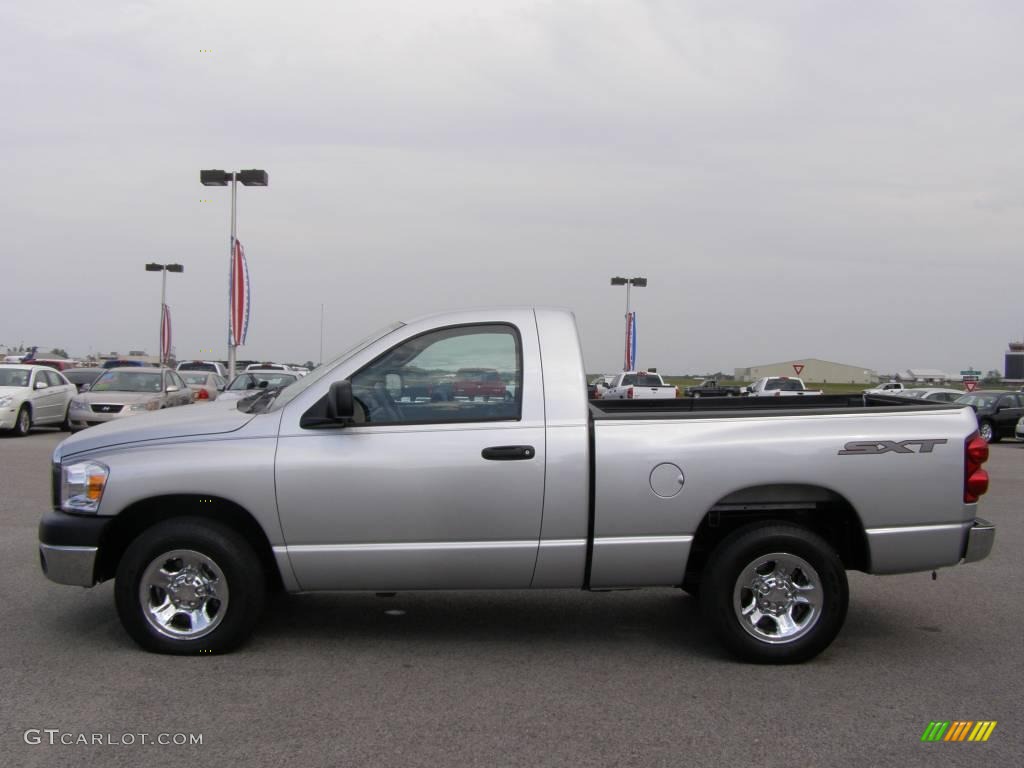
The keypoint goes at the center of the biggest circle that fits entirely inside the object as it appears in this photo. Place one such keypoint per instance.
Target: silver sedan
(121, 392)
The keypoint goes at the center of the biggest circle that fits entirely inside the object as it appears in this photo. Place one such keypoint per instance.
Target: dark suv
(997, 412)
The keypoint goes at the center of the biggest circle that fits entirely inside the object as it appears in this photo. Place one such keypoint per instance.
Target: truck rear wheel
(189, 586)
(775, 593)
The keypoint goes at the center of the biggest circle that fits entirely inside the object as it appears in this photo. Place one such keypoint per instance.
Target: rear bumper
(980, 538)
(927, 547)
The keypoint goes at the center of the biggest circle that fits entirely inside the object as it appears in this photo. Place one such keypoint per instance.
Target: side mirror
(41, 385)
(172, 388)
(339, 401)
(85, 387)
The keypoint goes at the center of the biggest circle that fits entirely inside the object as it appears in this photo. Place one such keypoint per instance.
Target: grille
(106, 408)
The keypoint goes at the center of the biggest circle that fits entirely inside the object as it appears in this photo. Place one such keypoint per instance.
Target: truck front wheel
(775, 593)
(189, 586)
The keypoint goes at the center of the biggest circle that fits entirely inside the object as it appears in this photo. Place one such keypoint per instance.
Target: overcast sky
(842, 180)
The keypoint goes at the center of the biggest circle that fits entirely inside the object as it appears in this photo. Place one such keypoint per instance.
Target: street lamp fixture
(629, 282)
(164, 268)
(253, 177)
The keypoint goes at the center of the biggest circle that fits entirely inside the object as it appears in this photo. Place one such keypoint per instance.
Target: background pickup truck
(889, 388)
(759, 506)
(639, 385)
(780, 386)
(711, 388)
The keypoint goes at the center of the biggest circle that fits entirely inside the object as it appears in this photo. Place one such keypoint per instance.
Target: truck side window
(458, 374)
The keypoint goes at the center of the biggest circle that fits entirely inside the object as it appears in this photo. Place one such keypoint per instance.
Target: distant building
(924, 376)
(811, 369)
(1013, 367)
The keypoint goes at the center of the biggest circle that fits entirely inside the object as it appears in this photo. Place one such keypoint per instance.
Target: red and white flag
(239, 294)
(165, 334)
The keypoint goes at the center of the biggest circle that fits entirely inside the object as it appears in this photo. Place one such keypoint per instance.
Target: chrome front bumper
(980, 537)
(69, 565)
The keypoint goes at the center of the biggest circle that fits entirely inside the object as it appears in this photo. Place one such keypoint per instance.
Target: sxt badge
(875, 447)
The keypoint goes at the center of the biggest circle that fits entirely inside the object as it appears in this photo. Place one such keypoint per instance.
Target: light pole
(639, 282)
(164, 268)
(215, 178)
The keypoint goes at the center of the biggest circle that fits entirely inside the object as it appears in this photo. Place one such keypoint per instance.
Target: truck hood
(185, 421)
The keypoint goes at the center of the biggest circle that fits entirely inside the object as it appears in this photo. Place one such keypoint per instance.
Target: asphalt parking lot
(512, 679)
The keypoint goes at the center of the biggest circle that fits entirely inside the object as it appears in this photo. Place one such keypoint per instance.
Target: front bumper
(69, 545)
(8, 417)
(980, 538)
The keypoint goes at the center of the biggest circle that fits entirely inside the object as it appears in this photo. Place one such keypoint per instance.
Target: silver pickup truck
(372, 473)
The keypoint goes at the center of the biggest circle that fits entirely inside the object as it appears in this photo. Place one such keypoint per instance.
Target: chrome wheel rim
(778, 598)
(986, 432)
(183, 594)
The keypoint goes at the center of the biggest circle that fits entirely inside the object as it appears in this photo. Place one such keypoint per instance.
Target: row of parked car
(77, 398)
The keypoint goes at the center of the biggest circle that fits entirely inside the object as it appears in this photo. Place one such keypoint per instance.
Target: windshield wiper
(267, 394)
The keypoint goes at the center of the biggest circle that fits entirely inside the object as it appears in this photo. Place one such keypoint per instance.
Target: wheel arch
(819, 509)
(127, 525)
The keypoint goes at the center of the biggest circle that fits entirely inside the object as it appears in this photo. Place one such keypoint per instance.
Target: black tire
(65, 425)
(23, 422)
(993, 435)
(722, 594)
(235, 563)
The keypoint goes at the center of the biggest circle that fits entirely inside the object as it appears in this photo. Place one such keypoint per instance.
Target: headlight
(6, 400)
(80, 405)
(82, 486)
(151, 405)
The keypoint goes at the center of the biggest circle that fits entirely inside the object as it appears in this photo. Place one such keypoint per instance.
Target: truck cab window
(458, 374)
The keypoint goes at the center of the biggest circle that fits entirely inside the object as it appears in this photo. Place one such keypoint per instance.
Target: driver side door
(427, 490)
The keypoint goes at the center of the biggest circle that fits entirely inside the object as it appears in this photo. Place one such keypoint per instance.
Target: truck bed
(774, 406)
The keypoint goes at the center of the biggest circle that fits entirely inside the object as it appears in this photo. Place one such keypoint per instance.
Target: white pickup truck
(639, 385)
(353, 478)
(889, 388)
(780, 386)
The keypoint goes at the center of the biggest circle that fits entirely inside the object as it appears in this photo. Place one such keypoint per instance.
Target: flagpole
(231, 273)
(163, 303)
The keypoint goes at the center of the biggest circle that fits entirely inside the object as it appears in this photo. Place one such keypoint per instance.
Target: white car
(33, 395)
(931, 393)
(1019, 431)
(268, 367)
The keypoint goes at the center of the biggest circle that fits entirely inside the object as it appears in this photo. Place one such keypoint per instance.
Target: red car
(479, 382)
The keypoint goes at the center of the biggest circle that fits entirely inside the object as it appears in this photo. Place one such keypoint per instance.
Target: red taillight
(629, 393)
(202, 394)
(975, 478)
